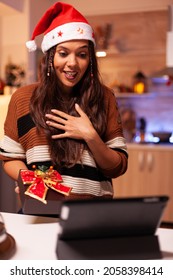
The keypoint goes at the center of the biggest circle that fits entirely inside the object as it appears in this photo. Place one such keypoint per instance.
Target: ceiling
(7, 10)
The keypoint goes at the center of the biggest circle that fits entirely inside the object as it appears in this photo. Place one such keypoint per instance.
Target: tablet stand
(117, 248)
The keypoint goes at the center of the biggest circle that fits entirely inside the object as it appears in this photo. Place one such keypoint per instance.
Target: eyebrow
(65, 48)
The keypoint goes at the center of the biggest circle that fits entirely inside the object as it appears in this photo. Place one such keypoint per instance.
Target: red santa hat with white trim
(61, 22)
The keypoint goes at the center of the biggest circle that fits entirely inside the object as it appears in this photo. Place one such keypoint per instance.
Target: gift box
(42, 191)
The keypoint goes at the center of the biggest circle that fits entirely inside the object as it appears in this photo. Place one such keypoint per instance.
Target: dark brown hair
(88, 93)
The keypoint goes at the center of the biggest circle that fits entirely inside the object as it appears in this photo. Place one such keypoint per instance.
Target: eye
(83, 55)
(62, 53)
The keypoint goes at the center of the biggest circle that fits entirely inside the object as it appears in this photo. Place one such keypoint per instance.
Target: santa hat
(61, 22)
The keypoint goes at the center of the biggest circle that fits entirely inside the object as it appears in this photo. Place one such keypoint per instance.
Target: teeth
(70, 73)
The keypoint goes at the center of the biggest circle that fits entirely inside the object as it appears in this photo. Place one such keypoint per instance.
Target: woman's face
(70, 62)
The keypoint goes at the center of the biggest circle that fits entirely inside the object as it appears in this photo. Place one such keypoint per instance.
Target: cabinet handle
(141, 160)
(150, 161)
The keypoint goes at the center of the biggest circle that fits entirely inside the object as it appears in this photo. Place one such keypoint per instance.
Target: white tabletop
(36, 237)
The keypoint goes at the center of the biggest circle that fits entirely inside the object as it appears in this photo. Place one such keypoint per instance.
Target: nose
(71, 60)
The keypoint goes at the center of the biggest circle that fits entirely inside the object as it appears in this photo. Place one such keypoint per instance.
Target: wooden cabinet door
(150, 172)
(131, 183)
(160, 178)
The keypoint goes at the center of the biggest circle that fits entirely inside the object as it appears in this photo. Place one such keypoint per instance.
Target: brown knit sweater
(22, 141)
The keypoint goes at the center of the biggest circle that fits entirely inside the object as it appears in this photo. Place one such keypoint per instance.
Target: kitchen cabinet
(149, 173)
(4, 101)
(9, 201)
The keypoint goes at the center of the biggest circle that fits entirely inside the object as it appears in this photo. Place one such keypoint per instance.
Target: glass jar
(140, 83)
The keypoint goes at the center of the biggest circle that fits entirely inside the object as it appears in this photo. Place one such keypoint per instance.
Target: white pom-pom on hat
(31, 46)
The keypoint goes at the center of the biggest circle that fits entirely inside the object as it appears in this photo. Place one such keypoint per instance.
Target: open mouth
(70, 75)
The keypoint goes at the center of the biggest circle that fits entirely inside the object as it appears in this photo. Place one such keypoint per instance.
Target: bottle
(142, 129)
(2, 85)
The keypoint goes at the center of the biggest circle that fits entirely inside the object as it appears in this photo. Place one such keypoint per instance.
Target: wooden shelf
(135, 95)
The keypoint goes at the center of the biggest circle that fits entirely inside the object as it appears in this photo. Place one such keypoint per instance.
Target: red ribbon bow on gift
(41, 180)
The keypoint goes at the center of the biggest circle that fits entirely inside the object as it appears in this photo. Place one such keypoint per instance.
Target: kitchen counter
(36, 237)
(150, 146)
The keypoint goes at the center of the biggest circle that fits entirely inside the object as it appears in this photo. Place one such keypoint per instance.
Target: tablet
(88, 219)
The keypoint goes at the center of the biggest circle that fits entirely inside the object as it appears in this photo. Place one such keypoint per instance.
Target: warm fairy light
(139, 88)
(101, 53)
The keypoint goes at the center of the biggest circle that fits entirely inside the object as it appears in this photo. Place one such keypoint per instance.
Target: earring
(91, 70)
(49, 69)
(50, 63)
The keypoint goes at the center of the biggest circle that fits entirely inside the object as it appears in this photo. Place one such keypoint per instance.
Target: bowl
(162, 135)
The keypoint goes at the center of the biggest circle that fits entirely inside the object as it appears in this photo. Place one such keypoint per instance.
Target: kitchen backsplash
(136, 42)
(156, 108)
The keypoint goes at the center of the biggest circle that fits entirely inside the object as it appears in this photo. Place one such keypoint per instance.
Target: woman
(69, 119)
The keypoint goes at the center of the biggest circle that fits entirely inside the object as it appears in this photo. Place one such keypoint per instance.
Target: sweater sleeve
(114, 137)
